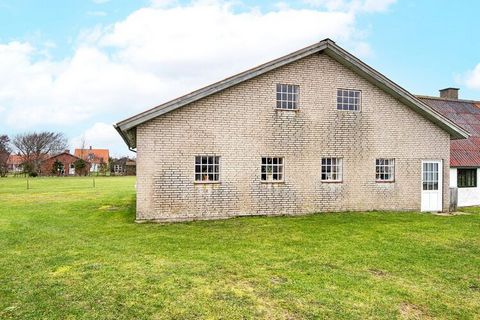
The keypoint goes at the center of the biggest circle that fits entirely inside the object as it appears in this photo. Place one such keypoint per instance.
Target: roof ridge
(127, 126)
(446, 99)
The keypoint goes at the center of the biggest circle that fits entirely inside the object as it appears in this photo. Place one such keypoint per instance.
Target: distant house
(62, 164)
(123, 167)
(465, 153)
(15, 163)
(96, 157)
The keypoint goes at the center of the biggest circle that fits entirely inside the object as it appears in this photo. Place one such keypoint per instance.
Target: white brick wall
(241, 124)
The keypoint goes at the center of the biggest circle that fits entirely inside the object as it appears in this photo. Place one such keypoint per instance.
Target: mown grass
(71, 251)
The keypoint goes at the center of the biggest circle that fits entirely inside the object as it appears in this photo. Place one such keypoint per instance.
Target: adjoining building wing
(465, 114)
(464, 154)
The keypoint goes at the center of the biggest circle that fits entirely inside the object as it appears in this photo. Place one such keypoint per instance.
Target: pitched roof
(93, 155)
(465, 113)
(59, 154)
(127, 127)
(15, 159)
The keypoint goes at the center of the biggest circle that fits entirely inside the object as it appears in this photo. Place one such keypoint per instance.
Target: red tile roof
(93, 155)
(465, 113)
(14, 159)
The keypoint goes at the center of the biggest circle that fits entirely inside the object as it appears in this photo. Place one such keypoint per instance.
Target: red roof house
(15, 163)
(66, 165)
(96, 157)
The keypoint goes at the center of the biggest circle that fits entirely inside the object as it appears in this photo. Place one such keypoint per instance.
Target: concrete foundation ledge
(174, 219)
(201, 218)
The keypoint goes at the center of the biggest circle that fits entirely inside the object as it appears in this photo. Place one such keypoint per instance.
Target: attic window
(348, 99)
(287, 96)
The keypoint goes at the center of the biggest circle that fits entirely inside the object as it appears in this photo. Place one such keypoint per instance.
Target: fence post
(28, 184)
(453, 199)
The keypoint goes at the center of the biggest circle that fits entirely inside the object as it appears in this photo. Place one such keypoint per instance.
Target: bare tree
(35, 146)
(4, 154)
(82, 147)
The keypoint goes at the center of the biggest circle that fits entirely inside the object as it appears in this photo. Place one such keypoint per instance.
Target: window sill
(385, 181)
(352, 111)
(466, 187)
(332, 181)
(206, 182)
(272, 182)
(290, 110)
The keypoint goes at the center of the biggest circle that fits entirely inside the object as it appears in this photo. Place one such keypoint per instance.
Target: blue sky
(79, 66)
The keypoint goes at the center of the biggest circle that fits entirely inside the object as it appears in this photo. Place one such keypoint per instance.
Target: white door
(71, 171)
(432, 185)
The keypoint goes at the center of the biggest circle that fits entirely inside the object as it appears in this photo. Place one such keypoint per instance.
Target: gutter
(125, 139)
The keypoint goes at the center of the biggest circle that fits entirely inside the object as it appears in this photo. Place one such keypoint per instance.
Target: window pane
(287, 96)
(348, 100)
(207, 168)
(466, 178)
(331, 169)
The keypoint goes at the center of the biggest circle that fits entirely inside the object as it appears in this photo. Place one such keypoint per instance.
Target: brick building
(66, 167)
(123, 167)
(15, 163)
(316, 130)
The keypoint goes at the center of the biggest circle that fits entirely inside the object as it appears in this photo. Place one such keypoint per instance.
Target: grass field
(71, 251)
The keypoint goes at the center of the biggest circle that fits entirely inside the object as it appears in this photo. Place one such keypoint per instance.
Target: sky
(80, 66)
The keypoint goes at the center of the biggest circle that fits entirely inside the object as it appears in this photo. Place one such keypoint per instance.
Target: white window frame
(288, 97)
(333, 166)
(385, 166)
(212, 163)
(349, 100)
(270, 169)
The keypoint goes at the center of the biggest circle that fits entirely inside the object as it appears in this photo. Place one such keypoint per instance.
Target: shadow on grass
(130, 214)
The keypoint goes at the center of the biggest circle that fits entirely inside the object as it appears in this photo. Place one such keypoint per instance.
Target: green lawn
(71, 251)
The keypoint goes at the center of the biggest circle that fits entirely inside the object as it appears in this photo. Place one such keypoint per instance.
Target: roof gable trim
(126, 128)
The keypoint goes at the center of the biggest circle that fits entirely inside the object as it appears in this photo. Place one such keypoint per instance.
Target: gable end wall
(241, 125)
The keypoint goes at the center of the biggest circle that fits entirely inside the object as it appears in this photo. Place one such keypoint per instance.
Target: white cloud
(70, 91)
(158, 53)
(472, 78)
(100, 1)
(101, 136)
(353, 5)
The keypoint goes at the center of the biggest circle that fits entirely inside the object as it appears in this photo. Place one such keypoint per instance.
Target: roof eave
(125, 136)
(126, 127)
(221, 85)
(396, 91)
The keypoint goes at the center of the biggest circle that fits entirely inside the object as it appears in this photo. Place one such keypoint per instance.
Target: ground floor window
(332, 169)
(207, 168)
(272, 169)
(466, 178)
(384, 170)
